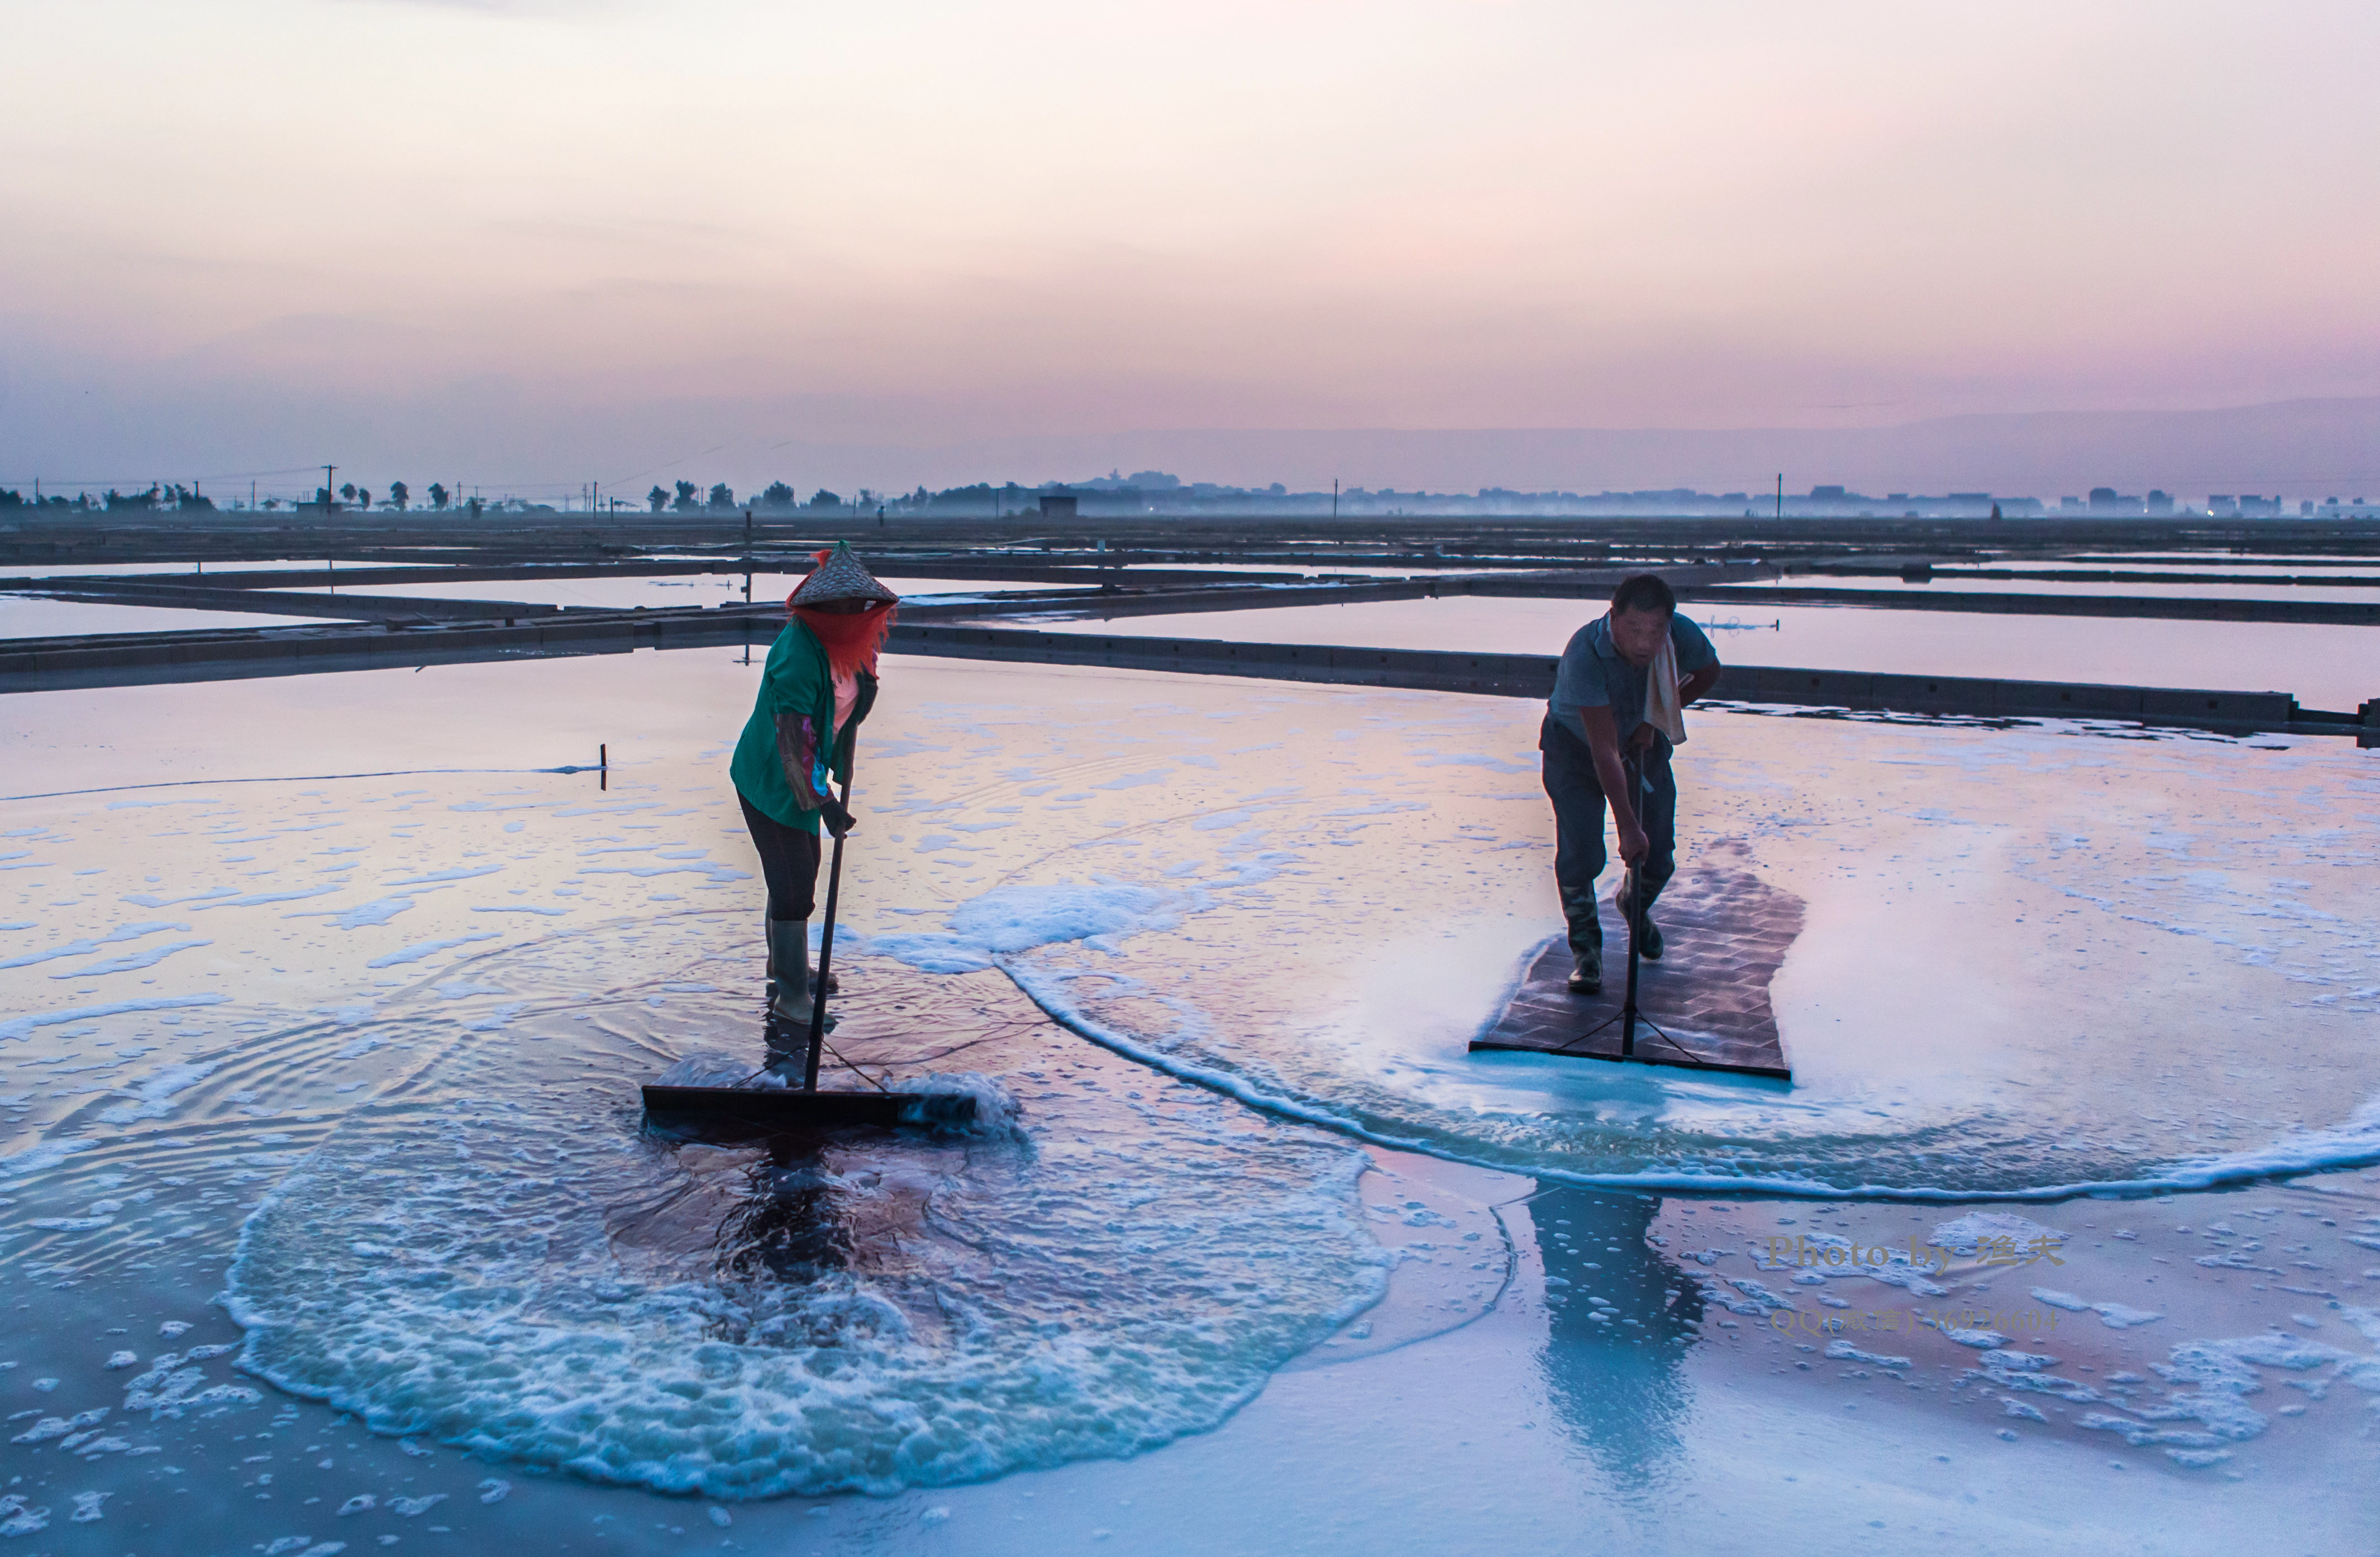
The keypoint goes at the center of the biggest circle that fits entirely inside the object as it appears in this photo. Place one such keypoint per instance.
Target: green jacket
(781, 763)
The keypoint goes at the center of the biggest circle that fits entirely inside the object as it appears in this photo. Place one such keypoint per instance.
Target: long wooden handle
(826, 948)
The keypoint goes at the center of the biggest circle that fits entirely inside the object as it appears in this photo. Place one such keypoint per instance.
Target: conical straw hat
(840, 575)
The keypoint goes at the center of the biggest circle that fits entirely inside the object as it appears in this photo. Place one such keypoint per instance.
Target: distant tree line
(156, 497)
(161, 496)
(777, 497)
(10, 498)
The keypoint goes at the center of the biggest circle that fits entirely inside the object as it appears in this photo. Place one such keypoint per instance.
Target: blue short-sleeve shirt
(1594, 675)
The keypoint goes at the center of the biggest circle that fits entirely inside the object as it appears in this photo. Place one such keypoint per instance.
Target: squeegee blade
(767, 1109)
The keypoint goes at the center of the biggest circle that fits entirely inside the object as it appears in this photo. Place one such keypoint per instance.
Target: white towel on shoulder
(1662, 710)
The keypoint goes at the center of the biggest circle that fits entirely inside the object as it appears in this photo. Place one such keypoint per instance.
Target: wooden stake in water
(602, 767)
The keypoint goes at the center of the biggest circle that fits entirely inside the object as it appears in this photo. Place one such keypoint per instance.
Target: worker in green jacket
(817, 685)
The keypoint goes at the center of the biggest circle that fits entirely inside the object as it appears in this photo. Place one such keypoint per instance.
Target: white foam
(421, 949)
(153, 1098)
(996, 1112)
(1971, 1233)
(1843, 1351)
(88, 945)
(708, 1067)
(455, 873)
(1007, 921)
(2115, 1316)
(1074, 1308)
(17, 1518)
(39, 1159)
(146, 957)
(257, 899)
(363, 916)
(24, 1027)
(1003, 928)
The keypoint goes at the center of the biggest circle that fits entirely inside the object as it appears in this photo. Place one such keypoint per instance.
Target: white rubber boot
(789, 968)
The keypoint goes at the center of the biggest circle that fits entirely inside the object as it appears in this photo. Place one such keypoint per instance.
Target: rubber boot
(771, 945)
(1648, 946)
(1586, 962)
(833, 984)
(789, 970)
(786, 1034)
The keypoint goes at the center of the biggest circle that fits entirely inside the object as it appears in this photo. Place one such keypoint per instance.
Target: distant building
(2159, 502)
(1826, 494)
(1054, 507)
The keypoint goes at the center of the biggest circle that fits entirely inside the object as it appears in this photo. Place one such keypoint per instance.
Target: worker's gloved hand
(1633, 845)
(836, 816)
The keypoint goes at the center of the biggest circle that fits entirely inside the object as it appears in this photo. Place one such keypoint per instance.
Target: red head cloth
(852, 639)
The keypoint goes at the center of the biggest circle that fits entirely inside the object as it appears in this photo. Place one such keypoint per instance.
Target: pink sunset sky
(531, 245)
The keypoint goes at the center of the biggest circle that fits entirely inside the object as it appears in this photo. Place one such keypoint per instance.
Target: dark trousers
(1577, 793)
(789, 862)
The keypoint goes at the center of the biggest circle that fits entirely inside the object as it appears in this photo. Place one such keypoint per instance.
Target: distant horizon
(2305, 449)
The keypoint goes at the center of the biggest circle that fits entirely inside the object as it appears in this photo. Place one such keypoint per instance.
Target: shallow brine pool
(2323, 666)
(626, 591)
(355, 1045)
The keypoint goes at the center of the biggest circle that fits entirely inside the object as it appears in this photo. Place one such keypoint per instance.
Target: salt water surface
(1950, 582)
(328, 996)
(228, 570)
(2323, 666)
(626, 591)
(31, 616)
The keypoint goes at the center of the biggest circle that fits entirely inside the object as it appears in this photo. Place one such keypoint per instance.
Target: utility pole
(329, 473)
(1781, 494)
(1334, 497)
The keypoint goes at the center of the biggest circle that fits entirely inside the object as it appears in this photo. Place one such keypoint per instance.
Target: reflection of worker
(1621, 1320)
(817, 685)
(1623, 680)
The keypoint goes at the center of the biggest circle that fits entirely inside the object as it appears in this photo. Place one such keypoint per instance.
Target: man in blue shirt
(1598, 708)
